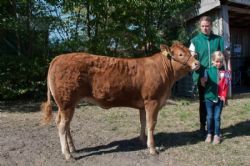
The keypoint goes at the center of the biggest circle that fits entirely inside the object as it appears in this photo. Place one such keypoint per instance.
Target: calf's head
(180, 57)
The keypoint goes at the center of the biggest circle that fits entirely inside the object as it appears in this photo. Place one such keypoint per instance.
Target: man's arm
(192, 49)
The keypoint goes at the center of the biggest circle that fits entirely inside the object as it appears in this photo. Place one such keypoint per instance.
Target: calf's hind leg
(143, 137)
(63, 124)
(69, 137)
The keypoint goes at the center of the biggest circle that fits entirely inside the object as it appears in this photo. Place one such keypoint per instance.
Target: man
(203, 45)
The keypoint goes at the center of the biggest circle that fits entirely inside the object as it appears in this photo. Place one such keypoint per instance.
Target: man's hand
(203, 81)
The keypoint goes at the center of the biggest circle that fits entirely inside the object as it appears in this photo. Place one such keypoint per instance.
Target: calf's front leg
(152, 110)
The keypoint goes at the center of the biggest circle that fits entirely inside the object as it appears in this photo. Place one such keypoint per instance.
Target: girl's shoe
(216, 140)
(209, 138)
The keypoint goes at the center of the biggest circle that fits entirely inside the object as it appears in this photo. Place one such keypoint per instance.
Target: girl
(216, 83)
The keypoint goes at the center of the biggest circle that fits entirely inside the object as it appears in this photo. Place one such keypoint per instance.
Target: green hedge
(23, 77)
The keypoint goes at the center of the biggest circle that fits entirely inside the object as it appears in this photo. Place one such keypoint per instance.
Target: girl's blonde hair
(218, 55)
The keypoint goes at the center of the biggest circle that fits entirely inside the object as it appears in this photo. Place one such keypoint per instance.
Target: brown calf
(142, 83)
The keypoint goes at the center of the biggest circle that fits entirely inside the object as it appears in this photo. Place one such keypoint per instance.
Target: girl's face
(217, 63)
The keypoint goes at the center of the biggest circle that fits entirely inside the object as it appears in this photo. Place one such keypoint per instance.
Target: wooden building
(231, 19)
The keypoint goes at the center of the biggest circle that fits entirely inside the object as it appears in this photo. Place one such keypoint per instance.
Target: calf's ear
(165, 50)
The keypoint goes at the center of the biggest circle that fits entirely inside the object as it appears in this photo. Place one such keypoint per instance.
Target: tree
(121, 27)
(34, 31)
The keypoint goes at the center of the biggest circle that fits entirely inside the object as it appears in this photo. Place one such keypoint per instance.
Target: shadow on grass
(237, 130)
(126, 145)
(163, 140)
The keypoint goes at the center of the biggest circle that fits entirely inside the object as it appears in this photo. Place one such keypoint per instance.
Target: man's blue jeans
(214, 110)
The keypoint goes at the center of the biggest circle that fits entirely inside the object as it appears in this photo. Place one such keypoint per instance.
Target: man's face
(205, 27)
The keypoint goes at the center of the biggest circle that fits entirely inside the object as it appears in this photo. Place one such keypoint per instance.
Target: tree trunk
(46, 43)
(18, 44)
(88, 20)
(78, 19)
(29, 30)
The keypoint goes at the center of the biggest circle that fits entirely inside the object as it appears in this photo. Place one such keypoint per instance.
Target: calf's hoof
(68, 156)
(153, 151)
(72, 149)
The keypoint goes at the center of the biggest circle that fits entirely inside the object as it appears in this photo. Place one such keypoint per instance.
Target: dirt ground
(24, 142)
(102, 138)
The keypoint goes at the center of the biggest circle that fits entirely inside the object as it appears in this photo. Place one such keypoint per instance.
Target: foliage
(22, 77)
(34, 31)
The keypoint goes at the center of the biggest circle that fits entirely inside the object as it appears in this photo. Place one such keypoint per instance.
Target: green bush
(23, 77)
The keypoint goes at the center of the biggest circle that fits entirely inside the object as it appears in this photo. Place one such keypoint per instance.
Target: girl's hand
(222, 98)
(203, 81)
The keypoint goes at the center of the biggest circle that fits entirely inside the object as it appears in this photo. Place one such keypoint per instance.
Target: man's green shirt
(205, 46)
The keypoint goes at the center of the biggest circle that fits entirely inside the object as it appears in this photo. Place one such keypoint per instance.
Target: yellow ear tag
(165, 53)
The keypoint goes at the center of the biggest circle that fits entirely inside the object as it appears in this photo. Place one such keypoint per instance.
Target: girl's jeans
(214, 110)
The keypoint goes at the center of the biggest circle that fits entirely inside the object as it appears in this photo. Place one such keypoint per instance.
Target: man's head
(205, 25)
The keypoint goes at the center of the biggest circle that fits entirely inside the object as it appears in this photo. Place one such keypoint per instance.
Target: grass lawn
(177, 137)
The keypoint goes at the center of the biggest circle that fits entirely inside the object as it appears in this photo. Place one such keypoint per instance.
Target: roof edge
(200, 9)
(242, 2)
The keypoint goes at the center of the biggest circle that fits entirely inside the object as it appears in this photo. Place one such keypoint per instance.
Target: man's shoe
(202, 132)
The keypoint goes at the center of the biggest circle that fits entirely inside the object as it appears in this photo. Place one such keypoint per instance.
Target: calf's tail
(46, 107)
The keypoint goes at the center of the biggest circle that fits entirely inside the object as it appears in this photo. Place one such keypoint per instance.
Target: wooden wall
(240, 60)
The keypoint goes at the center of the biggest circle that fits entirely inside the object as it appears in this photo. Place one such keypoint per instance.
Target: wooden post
(226, 36)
